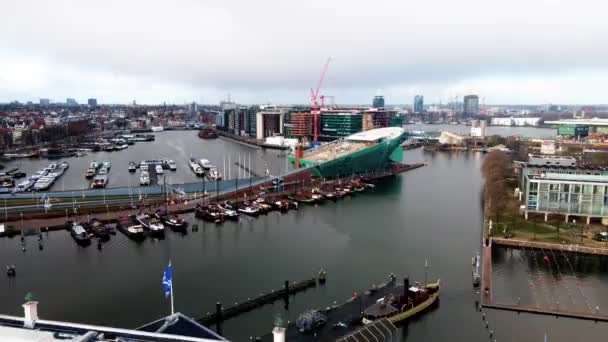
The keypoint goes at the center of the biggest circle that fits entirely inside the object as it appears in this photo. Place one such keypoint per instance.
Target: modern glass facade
(378, 101)
(471, 105)
(337, 125)
(418, 104)
(568, 194)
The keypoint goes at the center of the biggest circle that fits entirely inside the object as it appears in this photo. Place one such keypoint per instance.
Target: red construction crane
(314, 95)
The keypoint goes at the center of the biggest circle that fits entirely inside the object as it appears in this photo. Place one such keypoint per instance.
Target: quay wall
(550, 246)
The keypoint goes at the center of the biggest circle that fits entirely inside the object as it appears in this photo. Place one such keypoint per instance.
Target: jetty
(290, 288)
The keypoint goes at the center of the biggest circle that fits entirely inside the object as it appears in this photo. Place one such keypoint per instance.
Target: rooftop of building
(566, 167)
(376, 134)
(173, 328)
(551, 157)
(572, 177)
(586, 122)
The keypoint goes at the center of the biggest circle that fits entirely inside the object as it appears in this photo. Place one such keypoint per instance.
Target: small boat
(198, 170)
(9, 182)
(90, 173)
(121, 146)
(64, 165)
(261, 204)
(131, 228)
(310, 320)
(209, 214)
(100, 181)
(303, 197)
(172, 165)
(132, 167)
(95, 165)
(144, 178)
(44, 183)
(248, 210)
(39, 174)
(151, 224)
(24, 186)
(281, 205)
(215, 175)
(106, 164)
(159, 169)
(205, 164)
(17, 175)
(476, 276)
(99, 229)
(229, 213)
(79, 233)
(103, 171)
(172, 220)
(157, 128)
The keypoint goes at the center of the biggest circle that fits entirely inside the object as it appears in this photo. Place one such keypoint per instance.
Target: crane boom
(315, 104)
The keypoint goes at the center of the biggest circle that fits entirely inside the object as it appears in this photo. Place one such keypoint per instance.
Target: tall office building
(418, 104)
(45, 102)
(192, 109)
(378, 101)
(470, 105)
(71, 102)
(92, 102)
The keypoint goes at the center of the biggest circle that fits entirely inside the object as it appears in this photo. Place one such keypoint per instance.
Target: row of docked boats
(43, 179)
(204, 168)
(136, 227)
(99, 171)
(159, 165)
(220, 212)
(331, 192)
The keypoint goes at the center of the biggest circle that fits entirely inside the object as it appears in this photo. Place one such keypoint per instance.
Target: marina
(339, 233)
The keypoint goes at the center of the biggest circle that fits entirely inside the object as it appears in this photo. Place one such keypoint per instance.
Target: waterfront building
(192, 109)
(45, 102)
(92, 102)
(299, 125)
(250, 120)
(471, 105)
(478, 131)
(219, 120)
(513, 121)
(269, 121)
(539, 165)
(568, 195)
(176, 327)
(577, 128)
(547, 147)
(337, 124)
(378, 101)
(418, 104)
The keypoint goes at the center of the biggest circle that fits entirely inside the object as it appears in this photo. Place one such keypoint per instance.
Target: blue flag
(167, 282)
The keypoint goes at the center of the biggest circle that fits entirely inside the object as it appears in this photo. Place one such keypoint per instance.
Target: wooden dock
(223, 314)
(550, 312)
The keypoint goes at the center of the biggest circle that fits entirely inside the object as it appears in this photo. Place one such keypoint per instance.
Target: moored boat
(398, 307)
(130, 227)
(174, 222)
(78, 232)
(100, 181)
(98, 229)
(132, 167)
(249, 210)
(159, 169)
(209, 213)
(151, 224)
(172, 165)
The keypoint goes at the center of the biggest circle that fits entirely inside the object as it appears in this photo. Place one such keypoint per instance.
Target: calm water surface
(432, 213)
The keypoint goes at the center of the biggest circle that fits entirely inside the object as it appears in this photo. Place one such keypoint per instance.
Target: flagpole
(172, 306)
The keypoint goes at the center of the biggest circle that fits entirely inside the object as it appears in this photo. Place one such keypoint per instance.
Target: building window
(553, 197)
(577, 188)
(574, 198)
(566, 188)
(553, 187)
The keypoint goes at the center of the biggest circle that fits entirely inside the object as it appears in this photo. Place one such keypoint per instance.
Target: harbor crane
(314, 96)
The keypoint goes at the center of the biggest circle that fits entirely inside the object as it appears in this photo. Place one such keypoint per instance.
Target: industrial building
(574, 128)
(513, 121)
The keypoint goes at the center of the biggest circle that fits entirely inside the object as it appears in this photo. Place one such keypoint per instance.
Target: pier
(223, 314)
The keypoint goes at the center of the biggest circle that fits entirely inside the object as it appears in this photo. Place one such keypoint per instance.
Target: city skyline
(184, 51)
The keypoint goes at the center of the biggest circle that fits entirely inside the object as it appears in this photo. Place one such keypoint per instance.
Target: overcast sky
(152, 51)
